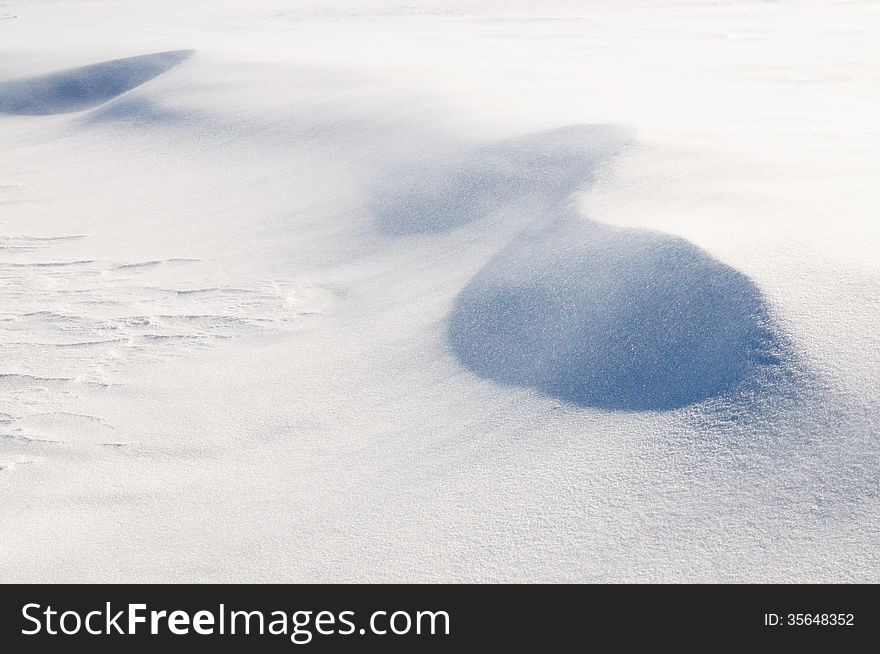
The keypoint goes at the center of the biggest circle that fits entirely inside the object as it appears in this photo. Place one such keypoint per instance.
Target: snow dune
(604, 317)
(617, 319)
(460, 187)
(85, 87)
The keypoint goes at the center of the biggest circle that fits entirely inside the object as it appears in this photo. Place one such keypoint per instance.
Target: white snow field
(439, 291)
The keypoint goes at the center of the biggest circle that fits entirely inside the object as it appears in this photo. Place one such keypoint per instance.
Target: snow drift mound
(82, 88)
(472, 182)
(614, 319)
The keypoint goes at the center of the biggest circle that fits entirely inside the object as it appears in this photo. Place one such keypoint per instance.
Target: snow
(440, 291)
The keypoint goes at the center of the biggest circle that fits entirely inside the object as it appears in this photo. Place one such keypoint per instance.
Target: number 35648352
(823, 619)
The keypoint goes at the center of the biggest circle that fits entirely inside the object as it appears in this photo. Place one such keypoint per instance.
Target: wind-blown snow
(616, 319)
(84, 87)
(439, 291)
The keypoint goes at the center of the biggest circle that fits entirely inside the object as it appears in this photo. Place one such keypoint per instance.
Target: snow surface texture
(373, 291)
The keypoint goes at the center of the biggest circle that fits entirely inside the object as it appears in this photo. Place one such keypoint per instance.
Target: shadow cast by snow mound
(462, 185)
(78, 89)
(617, 319)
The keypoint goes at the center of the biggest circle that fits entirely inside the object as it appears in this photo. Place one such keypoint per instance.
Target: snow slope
(478, 291)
